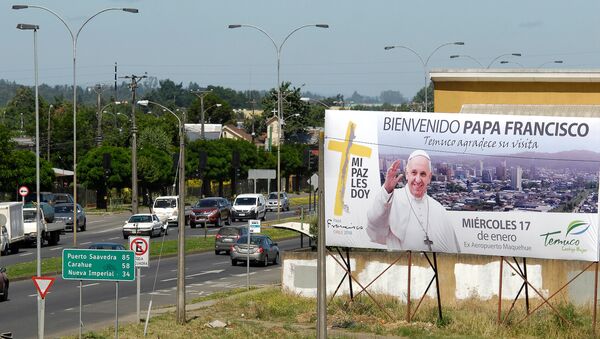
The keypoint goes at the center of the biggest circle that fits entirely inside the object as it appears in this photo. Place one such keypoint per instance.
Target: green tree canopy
(90, 170)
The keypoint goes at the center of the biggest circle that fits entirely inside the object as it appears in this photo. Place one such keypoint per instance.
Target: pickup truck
(165, 207)
(50, 231)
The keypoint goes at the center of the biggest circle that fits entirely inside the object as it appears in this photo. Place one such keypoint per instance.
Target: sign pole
(80, 308)
(248, 260)
(139, 285)
(116, 310)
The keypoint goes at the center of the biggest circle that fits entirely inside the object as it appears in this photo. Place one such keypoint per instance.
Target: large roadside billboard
(502, 185)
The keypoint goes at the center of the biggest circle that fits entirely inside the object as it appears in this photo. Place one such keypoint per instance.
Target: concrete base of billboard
(461, 276)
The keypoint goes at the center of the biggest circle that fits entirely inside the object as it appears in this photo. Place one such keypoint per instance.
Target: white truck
(166, 209)
(12, 230)
(50, 231)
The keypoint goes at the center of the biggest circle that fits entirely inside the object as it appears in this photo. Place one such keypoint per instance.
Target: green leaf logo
(576, 227)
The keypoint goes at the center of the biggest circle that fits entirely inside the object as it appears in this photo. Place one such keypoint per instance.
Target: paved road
(205, 274)
(106, 228)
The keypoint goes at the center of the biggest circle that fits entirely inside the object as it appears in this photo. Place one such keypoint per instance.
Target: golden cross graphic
(346, 148)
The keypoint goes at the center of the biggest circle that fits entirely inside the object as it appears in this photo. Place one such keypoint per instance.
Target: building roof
(238, 132)
(515, 75)
(211, 131)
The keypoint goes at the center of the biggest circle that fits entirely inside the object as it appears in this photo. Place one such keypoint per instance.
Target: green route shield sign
(106, 265)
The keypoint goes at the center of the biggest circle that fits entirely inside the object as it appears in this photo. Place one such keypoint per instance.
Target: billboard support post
(595, 298)
(408, 288)
(437, 286)
(500, 291)
(526, 286)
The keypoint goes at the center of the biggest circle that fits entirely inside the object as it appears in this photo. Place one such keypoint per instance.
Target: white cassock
(401, 222)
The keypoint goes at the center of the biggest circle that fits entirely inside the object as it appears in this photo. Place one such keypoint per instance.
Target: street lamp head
(143, 102)
(460, 43)
(558, 61)
(388, 47)
(28, 27)
(305, 99)
(219, 105)
(516, 54)
(234, 26)
(504, 62)
(454, 56)
(19, 6)
(322, 25)
(130, 10)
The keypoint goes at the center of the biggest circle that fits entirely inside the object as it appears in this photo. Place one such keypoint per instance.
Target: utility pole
(48, 146)
(253, 102)
(134, 185)
(200, 94)
(99, 89)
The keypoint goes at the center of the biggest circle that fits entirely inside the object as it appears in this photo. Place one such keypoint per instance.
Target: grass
(51, 266)
(271, 312)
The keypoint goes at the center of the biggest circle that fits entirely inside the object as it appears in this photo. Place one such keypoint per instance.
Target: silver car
(64, 212)
(284, 202)
(261, 250)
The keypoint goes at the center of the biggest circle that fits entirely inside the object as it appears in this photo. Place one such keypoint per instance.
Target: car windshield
(253, 240)
(245, 201)
(63, 209)
(229, 231)
(207, 203)
(274, 196)
(140, 218)
(29, 215)
(165, 203)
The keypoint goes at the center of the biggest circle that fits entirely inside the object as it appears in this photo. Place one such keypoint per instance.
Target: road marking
(85, 243)
(88, 285)
(114, 238)
(242, 274)
(56, 248)
(26, 254)
(35, 295)
(107, 230)
(171, 279)
(158, 293)
(203, 273)
(220, 263)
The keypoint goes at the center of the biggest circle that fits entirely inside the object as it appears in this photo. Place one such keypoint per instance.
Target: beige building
(539, 91)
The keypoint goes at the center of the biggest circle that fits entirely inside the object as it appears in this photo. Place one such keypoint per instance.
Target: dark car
(46, 208)
(64, 212)
(3, 284)
(261, 250)
(227, 236)
(106, 246)
(63, 198)
(215, 210)
(47, 197)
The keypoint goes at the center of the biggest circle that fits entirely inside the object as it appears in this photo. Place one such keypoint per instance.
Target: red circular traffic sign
(23, 191)
(139, 246)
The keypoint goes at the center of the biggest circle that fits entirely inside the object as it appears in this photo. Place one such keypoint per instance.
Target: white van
(249, 206)
(166, 210)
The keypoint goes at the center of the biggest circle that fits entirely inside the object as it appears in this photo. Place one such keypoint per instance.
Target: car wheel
(266, 261)
(276, 260)
(217, 252)
(233, 262)
(264, 217)
(4, 292)
(4, 251)
(192, 224)
(124, 236)
(218, 222)
(228, 221)
(84, 227)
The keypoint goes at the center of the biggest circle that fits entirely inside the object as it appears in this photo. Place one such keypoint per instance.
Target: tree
(420, 97)
(91, 173)
(392, 97)
(154, 170)
(295, 112)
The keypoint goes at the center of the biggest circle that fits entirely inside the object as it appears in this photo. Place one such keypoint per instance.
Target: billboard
(502, 185)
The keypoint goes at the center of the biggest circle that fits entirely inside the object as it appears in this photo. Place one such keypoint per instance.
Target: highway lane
(107, 228)
(205, 273)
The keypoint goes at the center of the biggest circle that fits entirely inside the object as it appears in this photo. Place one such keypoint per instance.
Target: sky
(188, 41)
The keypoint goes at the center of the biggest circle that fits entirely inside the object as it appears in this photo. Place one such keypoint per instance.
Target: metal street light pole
(512, 62)
(180, 214)
(550, 62)
(466, 56)
(74, 38)
(279, 98)
(425, 63)
(500, 56)
(41, 305)
(48, 145)
(134, 184)
(201, 95)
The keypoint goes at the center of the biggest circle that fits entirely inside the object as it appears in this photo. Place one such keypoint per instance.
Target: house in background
(211, 131)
